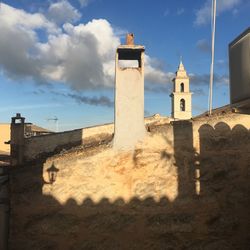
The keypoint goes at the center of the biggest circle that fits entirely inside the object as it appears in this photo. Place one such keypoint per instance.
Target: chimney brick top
(130, 39)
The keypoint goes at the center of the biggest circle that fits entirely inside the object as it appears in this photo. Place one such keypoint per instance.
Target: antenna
(55, 119)
(213, 18)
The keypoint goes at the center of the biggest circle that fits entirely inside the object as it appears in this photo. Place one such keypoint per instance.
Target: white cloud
(154, 73)
(180, 11)
(203, 79)
(63, 12)
(81, 56)
(84, 2)
(18, 52)
(11, 17)
(203, 15)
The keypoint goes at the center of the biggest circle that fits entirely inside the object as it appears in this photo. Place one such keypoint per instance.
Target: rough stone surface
(185, 187)
(45, 145)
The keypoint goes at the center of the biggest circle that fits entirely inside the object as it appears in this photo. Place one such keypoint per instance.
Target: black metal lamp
(52, 172)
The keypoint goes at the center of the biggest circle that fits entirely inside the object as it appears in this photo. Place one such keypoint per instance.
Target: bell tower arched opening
(182, 105)
(182, 87)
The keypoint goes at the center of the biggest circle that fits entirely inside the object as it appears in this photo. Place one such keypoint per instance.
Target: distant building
(4, 137)
(239, 68)
(181, 95)
(34, 130)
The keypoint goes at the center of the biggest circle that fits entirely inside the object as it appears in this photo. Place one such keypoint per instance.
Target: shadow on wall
(4, 159)
(227, 152)
(184, 155)
(4, 207)
(210, 212)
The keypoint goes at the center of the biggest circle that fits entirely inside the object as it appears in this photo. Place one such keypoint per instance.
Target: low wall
(38, 146)
(97, 133)
(231, 120)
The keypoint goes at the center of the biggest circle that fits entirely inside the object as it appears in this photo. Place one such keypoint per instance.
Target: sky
(57, 57)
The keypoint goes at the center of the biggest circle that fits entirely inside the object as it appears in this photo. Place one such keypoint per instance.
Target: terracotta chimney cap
(130, 39)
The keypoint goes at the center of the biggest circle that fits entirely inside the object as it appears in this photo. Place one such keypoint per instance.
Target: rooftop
(238, 38)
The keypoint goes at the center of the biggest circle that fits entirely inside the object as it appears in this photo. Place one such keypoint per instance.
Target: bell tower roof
(181, 72)
(181, 66)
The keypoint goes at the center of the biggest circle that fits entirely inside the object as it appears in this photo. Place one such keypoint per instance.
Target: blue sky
(57, 57)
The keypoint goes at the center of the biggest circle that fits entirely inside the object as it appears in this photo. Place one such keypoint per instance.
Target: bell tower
(181, 95)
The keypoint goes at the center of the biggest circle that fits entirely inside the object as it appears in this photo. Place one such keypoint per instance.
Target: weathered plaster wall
(168, 193)
(4, 137)
(129, 105)
(129, 109)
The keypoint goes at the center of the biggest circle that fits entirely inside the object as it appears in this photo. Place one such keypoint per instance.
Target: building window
(182, 105)
(182, 87)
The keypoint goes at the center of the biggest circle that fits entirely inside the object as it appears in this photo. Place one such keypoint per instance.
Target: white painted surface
(129, 106)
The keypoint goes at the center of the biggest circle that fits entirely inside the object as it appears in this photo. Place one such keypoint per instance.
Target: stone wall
(166, 194)
(35, 147)
(231, 119)
(39, 146)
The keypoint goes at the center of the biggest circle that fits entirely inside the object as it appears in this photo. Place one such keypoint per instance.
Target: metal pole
(212, 62)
